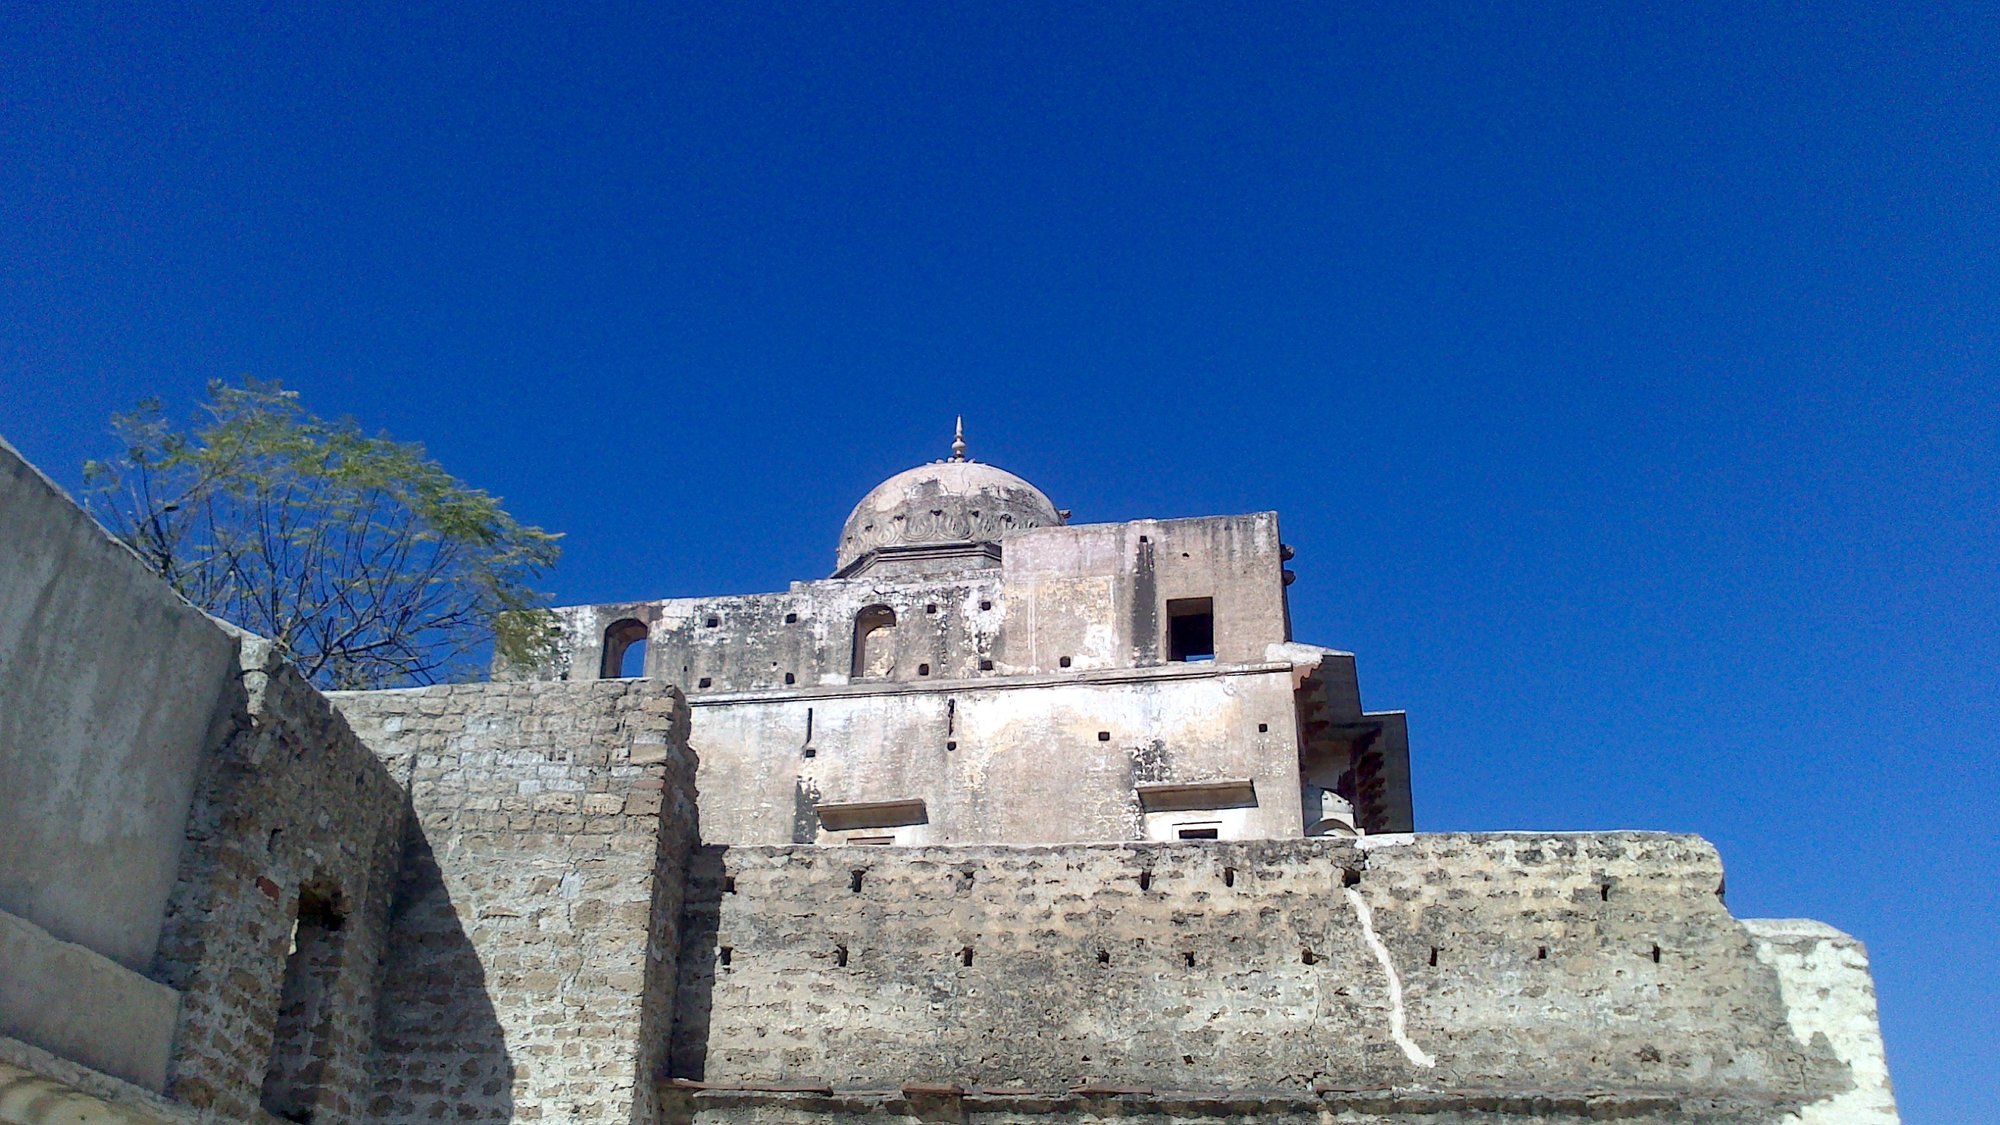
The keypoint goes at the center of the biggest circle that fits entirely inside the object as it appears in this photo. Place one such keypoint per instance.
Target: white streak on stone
(1398, 1030)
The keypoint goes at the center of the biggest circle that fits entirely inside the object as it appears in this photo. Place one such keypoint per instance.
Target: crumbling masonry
(1010, 821)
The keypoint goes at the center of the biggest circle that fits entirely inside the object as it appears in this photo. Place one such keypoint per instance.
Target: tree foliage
(363, 559)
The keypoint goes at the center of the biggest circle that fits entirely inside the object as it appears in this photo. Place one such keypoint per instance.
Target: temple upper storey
(991, 673)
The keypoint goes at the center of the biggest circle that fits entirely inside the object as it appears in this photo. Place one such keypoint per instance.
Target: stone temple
(1010, 820)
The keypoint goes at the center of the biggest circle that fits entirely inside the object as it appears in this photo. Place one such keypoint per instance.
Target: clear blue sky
(1626, 380)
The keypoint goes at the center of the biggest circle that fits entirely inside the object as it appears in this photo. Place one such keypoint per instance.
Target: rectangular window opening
(1190, 630)
(305, 1011)
(1200, 833)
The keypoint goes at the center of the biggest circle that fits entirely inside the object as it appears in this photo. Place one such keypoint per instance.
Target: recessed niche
(985, 665)
(729, 884)
(985, 605)
(790, 679)
(713, 622)
(704, 682)
(951, 744)
(791, 619)
(931, 608)
(965, 957)
(840, 956)
(1104, 736)
(923, 669)
(1062, 662)
(1263, 728)
(724, 955)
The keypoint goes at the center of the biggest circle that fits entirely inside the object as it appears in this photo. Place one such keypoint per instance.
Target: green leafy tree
(364, 560)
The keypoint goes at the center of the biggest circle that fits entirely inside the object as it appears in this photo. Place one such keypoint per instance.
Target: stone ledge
(83, 1006)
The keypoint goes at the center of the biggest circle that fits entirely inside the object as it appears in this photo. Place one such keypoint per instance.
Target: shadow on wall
(694, 996)
(440, 1053)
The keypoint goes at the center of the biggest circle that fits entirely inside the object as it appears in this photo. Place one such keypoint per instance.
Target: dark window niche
(1190, 630)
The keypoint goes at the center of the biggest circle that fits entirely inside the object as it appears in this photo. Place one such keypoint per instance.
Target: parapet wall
(532, 950)
(1601, 962)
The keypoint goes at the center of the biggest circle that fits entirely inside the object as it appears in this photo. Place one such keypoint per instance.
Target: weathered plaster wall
(1026, 761)
(1432, 963)
(532, 954)
(1097, 593)
(291, 801)
(109, 687)
(1094, 595)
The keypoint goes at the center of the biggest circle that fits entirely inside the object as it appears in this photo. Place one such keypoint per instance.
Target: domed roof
(955, 501)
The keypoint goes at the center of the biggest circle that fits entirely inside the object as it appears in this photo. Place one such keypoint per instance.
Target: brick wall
(533, 945)
(289, 800)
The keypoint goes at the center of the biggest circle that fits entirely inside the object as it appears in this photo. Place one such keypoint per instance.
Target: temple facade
(980, 670)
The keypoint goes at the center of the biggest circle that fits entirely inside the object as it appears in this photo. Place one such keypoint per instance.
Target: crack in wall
(1398, 1029)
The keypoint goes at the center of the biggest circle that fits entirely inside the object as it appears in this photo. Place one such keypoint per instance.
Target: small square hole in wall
(791, 619)
(923, 669)
(985, 606)
(809, 752)
(951, 744)
(713, 622)
(705, 681)
(1104, 736)
(931, 608)
(985, 665)
(1263, 728)
(729, 884)
(1062, 662)
(791, 679)
(1145, 539)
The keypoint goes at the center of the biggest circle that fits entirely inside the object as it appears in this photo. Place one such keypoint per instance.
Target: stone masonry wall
(291, 802)
(1460, 964)
(534, 940)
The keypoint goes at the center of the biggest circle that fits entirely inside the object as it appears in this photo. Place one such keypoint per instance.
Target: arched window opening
(874, 643)
(624, 650)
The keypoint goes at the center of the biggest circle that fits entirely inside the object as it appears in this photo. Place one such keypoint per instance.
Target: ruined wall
(1458, 965)
(291, 806)
(995, 762)
(533, 946)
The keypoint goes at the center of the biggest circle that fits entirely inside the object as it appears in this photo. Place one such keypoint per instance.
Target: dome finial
(958, 441)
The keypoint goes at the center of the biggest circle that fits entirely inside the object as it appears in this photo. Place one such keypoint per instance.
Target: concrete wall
(535, 937)
(110, 686)
(1596, 963)
(995, 761)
